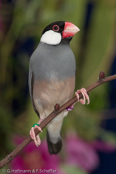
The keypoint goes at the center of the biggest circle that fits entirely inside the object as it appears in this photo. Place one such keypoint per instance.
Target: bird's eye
(56, 28)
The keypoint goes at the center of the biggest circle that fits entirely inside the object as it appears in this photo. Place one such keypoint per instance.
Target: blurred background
(89, 132)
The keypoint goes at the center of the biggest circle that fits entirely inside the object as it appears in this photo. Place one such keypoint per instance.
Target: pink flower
(84, 154)
(81, 153)
(103, 146)
(32, 157)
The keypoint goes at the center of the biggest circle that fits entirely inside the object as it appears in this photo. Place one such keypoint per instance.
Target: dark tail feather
(54, 148)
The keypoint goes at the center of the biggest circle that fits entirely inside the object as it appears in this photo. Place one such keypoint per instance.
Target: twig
(57, 110)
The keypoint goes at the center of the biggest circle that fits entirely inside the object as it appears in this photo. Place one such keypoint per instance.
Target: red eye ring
(55, 28)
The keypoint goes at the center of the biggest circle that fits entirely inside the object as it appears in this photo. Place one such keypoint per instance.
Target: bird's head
(58, 31)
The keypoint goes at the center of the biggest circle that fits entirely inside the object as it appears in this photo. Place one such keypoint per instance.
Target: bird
(52, 70)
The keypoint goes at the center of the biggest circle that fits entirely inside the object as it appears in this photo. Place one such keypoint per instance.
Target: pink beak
(69, 30)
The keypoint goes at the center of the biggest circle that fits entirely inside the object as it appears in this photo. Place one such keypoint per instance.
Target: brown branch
(56, 111)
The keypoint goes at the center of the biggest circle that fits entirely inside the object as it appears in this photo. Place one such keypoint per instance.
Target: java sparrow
(52, 79)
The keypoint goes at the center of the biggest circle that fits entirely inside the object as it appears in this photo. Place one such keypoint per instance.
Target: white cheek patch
(50, 37)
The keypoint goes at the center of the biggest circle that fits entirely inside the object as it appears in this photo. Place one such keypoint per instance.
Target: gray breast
(53, 61)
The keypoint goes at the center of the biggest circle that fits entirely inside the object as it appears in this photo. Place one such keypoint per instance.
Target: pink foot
(35, 138)
(82, 101)
(85, 96)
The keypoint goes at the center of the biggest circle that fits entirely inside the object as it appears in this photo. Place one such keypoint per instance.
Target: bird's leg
(83, 100)
(35, 138)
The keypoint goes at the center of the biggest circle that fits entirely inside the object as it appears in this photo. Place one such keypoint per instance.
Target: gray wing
(31, 83)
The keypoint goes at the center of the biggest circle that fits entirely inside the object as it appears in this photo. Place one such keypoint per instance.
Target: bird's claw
(84, 94)
(82, 101)
(35, 138)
